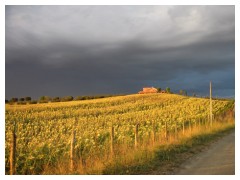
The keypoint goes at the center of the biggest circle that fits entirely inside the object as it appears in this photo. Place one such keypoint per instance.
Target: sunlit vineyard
(44, 130)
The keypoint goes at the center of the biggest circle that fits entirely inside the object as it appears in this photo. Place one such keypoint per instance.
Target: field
(81, 137)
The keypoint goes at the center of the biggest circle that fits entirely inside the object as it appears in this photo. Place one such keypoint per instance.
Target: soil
(217, 159)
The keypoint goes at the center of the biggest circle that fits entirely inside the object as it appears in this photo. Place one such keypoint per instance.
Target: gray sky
(86, 50)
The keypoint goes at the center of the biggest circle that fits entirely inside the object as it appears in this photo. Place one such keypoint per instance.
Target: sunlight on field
(105, 129)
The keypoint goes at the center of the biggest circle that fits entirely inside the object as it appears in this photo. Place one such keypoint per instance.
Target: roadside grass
(160, 158)
(164, 157)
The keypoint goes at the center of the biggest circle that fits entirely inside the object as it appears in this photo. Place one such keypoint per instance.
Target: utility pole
(211, 104)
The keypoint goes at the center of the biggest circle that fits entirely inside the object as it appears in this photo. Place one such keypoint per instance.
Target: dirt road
(218, 159)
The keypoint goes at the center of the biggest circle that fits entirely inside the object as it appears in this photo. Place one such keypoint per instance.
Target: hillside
(103, 127)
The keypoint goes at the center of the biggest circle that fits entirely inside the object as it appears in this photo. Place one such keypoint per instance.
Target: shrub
(78, 98)
(14, 99)
(28, 98)
(83, 98)
(67, 98)
(33, 102)
(45, 99)
(168, 90)
(21, 99)
(56, 99)
(159, 89)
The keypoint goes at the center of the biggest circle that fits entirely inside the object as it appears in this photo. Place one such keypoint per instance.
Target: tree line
(168, 90)
(46, 99)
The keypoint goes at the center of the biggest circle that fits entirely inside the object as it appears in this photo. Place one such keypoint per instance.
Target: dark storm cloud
(74, 50)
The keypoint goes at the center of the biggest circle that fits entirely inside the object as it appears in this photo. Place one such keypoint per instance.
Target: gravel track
(218, 159)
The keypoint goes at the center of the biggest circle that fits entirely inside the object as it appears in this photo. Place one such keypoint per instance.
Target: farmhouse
(147, 90)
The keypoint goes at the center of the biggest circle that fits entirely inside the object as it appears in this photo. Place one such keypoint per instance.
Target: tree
(185, 93)
(78, 98)
(28, 98)
(181, 92)
(158, 89)
(33, 102)
(6, 101)
(56, 99)
(67, 98)
(14, 99)
(42, 98)
(21, 99)
(168, 90)
(45, 98)
(83, 97)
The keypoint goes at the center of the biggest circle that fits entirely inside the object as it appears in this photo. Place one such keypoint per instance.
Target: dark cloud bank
(83, 50)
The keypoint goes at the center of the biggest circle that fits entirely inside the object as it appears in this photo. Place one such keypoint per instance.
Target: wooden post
(176, 130)
(72, 153)
(112, 139)
(183, 130)
(160, 134)
(136, 135)
(206, 122)
(190, 126)
(233, 111)
(210, 103)
(13, 152)
(154, 132)
(166, 132)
